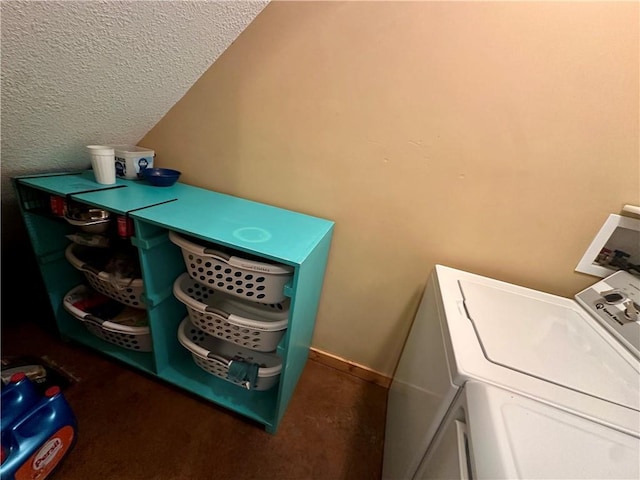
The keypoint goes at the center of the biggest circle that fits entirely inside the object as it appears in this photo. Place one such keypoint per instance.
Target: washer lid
(513, 436)
(552, 340)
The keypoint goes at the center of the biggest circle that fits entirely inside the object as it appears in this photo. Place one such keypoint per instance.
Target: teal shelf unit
(291, 238)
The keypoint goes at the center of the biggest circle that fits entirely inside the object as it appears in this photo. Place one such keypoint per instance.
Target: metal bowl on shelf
(90, 220)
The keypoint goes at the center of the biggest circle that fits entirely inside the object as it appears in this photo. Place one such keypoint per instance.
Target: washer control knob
(631, 310)
(613, 297)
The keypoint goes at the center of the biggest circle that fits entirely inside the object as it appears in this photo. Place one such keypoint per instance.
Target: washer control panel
(615, 302)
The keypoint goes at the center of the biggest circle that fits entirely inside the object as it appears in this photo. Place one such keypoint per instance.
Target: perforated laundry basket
(125, 290)
(129, 337)
(256, 326)
(213, 355)
(242, 277)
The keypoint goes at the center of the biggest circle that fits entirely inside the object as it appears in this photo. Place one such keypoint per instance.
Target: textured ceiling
(83, 72)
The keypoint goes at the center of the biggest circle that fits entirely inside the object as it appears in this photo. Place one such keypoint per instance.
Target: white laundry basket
(125, 290)
(213, 355)
(256, 326)
(246, 278)
(137, 338)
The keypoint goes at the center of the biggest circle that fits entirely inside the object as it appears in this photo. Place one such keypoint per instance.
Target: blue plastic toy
(37, 431)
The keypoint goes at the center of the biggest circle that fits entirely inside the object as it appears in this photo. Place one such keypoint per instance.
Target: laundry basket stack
(110, 304)
(111, 307)
(237, 312)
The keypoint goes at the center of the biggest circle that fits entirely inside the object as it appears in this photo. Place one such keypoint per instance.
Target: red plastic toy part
(16, 377)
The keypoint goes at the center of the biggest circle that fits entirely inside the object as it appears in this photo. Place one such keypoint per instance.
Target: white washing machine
(558, 354)
(493, 433)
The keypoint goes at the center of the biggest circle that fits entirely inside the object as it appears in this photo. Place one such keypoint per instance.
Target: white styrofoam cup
(103, 162)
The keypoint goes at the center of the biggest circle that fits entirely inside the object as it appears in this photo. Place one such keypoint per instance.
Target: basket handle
(218, 255)
(226, 363)
(89, 268)
(93, 319)
(191, 302)
(82, 315)
(198, 249)
(77, 263)
(201, 352)
(217, 311)
(186, 244)
(230, 259)
(218, 358)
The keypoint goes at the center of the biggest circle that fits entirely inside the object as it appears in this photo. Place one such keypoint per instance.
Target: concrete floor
(133, 426)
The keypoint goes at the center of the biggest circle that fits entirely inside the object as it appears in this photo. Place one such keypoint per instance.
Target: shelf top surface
(256, 227)
(65, 183)
(123, 197)
(236, 222)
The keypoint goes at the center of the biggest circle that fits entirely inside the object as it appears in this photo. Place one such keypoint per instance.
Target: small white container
(131, 160)
(102, 162)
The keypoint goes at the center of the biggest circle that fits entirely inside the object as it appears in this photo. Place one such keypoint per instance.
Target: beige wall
(493, 137)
